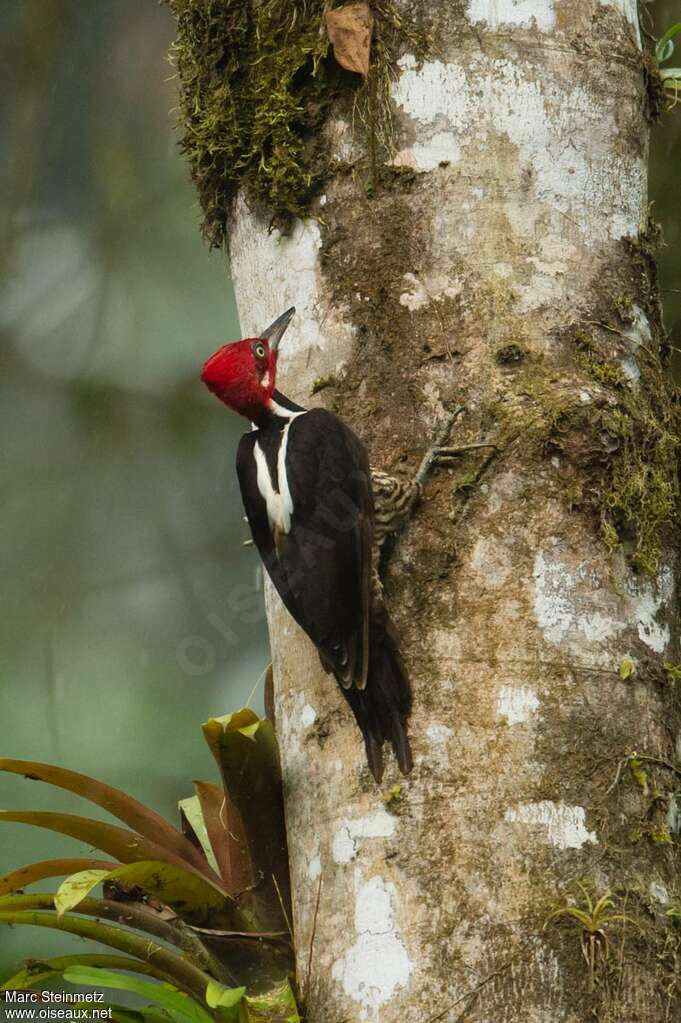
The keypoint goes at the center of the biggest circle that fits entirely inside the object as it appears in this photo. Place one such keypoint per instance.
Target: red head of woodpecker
(242, 374)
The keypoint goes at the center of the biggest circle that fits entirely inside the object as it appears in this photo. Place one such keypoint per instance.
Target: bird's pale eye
(259, 351)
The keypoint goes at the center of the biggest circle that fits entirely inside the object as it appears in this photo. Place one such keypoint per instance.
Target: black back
(321, 568)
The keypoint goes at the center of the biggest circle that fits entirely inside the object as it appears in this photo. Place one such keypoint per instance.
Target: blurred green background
(130, 611)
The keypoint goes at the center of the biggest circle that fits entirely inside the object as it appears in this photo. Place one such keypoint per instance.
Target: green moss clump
(255, 85)
(257, 81)
(643, 496)
(598, 368)
(642, 433)
(321, 383)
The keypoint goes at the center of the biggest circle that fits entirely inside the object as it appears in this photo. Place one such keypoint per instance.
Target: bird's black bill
(275, 331)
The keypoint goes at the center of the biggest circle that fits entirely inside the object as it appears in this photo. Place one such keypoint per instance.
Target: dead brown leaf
(350, 28)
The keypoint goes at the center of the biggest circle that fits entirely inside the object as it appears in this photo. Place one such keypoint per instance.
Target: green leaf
(669, 73)
(165, 995)
(133, 813)
(665, 45)
(74, 889)
(245, 749)
(173, 885)
(627, 668)
(276, 1006)
(190, 809)
(226, 998)
(180, 969)
(49, 868)
(38, 970)
(664, 52)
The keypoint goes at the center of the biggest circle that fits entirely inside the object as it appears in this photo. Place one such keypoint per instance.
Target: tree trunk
(501, 260)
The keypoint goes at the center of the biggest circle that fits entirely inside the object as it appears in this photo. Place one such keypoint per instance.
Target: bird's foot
(443, 455)
(435, 452)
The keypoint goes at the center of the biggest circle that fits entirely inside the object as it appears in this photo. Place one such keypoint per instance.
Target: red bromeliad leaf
(49, 868)
(350, 29)
(136, 815)
(126, 846)
(227, 836)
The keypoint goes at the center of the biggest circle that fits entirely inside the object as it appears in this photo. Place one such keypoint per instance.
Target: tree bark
(507, 226)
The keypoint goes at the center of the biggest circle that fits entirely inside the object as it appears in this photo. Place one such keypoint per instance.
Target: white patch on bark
(648, 599)
(516, 704)
(440, 148)
(439, 735)
(659, 892)
(314, 868)
(559, 607)
(504, 98)
(630, 369)
(289, 264)
(377, 965)
(565, 825)
(639, 333)
(341, 140)
(308, 715)
(571, 603)
(291, 726)
(538, 14)
(379, 824)
(421, 293)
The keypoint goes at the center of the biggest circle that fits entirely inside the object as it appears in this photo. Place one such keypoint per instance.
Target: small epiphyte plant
(671, 76)
(593, 919)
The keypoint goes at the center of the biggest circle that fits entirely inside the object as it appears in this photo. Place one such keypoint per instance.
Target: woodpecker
(319, 516)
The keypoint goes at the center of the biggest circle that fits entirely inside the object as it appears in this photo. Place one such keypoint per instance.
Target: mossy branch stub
(254, 85)
(257, 82)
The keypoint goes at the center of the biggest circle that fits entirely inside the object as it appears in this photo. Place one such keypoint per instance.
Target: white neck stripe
(285, 413)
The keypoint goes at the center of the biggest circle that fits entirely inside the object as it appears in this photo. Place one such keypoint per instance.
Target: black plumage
(317, 544)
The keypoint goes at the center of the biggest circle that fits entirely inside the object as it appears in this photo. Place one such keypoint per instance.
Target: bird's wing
(321, 565)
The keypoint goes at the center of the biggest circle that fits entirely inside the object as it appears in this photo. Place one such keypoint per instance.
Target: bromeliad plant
(671, 76)
(593, 920)
(197, 918)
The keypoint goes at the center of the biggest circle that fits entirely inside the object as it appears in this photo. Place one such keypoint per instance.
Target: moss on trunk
(257, 81)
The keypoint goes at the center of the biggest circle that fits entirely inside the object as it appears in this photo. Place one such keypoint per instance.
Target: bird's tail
(383, 707)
